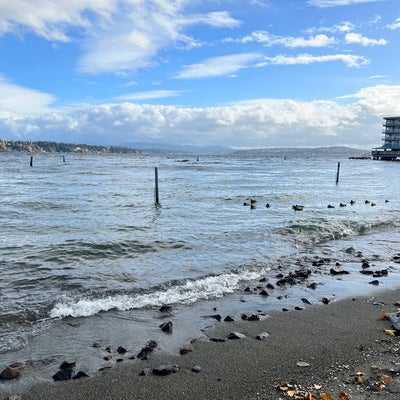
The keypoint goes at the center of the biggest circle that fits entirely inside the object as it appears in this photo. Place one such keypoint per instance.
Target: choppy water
(84, 237)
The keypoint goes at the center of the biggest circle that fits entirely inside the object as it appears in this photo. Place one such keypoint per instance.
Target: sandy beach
(340, 349)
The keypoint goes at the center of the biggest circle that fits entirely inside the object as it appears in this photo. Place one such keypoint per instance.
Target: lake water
(86, 254)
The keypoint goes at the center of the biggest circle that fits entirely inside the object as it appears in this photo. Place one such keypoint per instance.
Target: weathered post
(64, 158)
(31, 162)
(157, 200)
(337, 174)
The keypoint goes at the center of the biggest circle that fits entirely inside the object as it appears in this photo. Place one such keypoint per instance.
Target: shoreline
(335, 341)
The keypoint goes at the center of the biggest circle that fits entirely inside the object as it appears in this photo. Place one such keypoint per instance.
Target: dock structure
(391, 141)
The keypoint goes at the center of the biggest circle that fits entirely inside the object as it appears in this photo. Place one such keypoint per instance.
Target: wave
(322, 230)
(188, 291)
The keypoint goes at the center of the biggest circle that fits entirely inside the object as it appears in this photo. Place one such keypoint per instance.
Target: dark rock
(185, 350)
(164, 370)
(146, 350)
(108, 357)
(299, 308)
(63, 374)
(256, 317)
(229, 318)
(96, 345)
(165, 308)
(264, 293)
(366, 272)
(80, 375)
(379, 274)
(196, 369)
(121, 350)
(67, 365)
(236, 335)
(12, 371)
(312, 285)
(244, 317)
(270, 286)
(217, 340)
(166, 327)
(338, 271)
(263, 280)
(108, 349)
(247, 289)
(218, 317)
(305, 301)
(285, 309)
(119, 360)
(325, 300)
(365, 265)
(374, 282)
(350, 250)
(262, 336)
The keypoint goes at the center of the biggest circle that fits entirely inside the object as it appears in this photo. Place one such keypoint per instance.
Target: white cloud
(218, 19)
(152, 94)
(357, 38)
(347, 59)
(17, 100)
(335, 3)
(268, 39)
(219, 66)
(255, 123)
(51, 20)
(394, 25)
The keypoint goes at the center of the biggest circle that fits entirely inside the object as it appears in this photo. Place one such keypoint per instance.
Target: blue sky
(239, 73)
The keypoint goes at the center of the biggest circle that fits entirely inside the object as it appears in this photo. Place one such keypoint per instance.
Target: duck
(297, 207)
(352, 202)
(331, 206)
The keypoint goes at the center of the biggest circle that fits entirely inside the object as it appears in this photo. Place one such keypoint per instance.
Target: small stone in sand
(236, 335)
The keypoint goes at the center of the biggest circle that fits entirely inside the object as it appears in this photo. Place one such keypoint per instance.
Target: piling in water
(337, 174)
(157, 200)
(31, 162)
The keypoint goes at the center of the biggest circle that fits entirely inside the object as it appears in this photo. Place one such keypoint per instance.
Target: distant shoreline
(55, 147)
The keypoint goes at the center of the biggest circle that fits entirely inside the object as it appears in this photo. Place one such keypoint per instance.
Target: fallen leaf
(384, 316)
(343, 396)
(390, 332)
(317, 387)
(325, 396)
(284, 388)
(302, 364)
(386, 379)
(291, 392)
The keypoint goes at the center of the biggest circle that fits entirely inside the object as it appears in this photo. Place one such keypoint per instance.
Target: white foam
(188, 292)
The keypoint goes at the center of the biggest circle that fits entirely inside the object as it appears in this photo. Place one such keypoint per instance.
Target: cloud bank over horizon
(257, 74)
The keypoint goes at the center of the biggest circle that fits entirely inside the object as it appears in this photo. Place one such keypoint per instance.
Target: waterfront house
(391, 141)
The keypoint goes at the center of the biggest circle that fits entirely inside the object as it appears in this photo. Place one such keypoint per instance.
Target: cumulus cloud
(353, 37)
(255, 123)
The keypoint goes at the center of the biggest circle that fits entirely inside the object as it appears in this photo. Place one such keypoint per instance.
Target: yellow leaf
(291, 392)
(390, 332)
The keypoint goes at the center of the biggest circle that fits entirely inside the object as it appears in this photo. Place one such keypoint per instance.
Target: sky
(237, 73)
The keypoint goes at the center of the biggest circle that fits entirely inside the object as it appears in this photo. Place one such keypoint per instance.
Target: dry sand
(335, 341)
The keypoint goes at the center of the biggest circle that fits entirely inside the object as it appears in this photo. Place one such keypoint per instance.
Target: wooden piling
(31, 162)
(157, 199)
(64, 158)
(337, 174)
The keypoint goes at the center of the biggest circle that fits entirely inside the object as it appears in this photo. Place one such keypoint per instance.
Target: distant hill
(150, 147)
(54, 147)
(332, 151)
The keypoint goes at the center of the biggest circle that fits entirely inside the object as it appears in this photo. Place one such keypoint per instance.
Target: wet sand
(335, 341)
